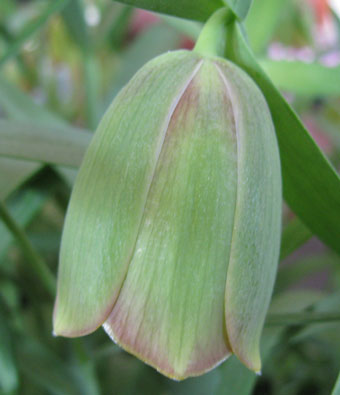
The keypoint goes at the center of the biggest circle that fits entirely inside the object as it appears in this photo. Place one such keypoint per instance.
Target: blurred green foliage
(61, 64)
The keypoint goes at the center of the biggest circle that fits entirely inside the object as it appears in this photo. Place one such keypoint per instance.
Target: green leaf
(191, 29)
(309, 79)
(292, 273)
(34, 26)
(13, 173)
(23, 209)
(199, 11)
(19, 106)
(268, 12)
(74, 17)
(336, 389)
(44, 367)
(54, 145)
(311, 186)
(9, 378)
(149, 44)
(239, 7)
(294, 235)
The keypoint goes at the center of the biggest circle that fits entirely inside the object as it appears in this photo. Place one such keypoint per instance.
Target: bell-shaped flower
(171, 238)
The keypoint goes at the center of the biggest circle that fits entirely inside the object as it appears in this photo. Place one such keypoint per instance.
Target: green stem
(212, 39)
(290, 319)
(36, 262)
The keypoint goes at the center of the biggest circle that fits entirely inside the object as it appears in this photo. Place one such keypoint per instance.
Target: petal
(109, 196)
(256, 234)
(170, 311)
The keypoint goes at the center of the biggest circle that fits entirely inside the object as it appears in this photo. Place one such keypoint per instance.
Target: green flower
(171, 238)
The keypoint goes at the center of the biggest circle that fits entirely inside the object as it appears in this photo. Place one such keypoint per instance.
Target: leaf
(19, 106)
(74, 17)
(62, 146)
(32, 28)
(156, 40)
(23, 209)
(311, 186)
(239, 7)
(268, 12)
(292, 273)
(13, 173)
(191, 29)
(336, 389)
(294, 235)
(45, 368)
(9, 380)
(308, 79)
(200, 11)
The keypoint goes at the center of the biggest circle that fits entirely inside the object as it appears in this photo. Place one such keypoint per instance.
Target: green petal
(170, 311)
(109, 196)
(256, 233)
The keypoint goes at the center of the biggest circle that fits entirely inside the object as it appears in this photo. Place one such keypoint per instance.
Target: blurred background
(61, 64)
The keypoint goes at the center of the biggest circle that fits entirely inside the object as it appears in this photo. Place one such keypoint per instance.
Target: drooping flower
(172, 233)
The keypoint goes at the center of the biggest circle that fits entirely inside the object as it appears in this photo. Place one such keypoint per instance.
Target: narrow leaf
(13, 173)
(336, 389)
(239, 7)
(294, 235)
(148, 45)
(9, 378)
(311, 186)
(63, 146)
(32, 28)
(268, 12)
(23, 209)
(199, 11)
(309, 79)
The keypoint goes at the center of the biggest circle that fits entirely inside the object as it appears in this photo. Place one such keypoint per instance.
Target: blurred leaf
(74, 17)
(268, 12)
(189, 28)
(19, 106)
(14, 173)
(84, 369)
(239, 7)
(292, 273)
(114, 25)
(311, 186)
(199, 11)
(311, 79)
(62, 146)
(294, 301)
(336, 389)
(235, 378)
(34, 26)
(23, 209)
(42, 366)
(151, 43)
(9, 379)
(92, 78)
(294, 235)
(37, 264)
(326, 305)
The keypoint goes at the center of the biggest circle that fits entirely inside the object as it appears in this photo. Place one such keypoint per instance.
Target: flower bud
(172, 233)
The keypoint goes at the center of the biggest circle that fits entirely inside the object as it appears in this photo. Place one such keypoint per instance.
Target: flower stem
(33, 258)
(212, 39)
(289, 319)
